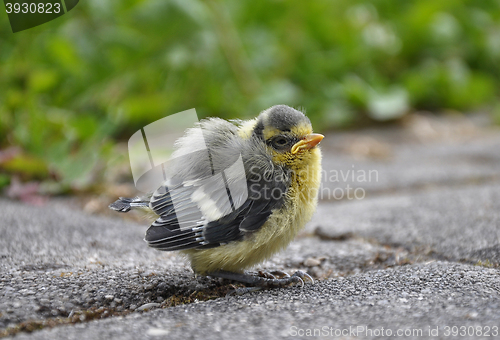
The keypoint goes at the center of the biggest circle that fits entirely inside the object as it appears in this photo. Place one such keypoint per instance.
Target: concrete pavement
(418, 255)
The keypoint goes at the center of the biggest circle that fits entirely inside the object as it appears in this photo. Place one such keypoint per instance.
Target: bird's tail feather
(124, 204)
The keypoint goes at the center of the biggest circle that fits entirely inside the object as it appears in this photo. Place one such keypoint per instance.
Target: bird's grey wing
(212, 195)
(196, 231)
(264, 198)
(174, 204)
(179, 199)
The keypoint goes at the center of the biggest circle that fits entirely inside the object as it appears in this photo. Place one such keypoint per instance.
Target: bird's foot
(275, 279)
(276, 274)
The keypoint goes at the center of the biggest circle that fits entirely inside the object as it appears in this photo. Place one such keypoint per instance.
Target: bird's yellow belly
(275, 235)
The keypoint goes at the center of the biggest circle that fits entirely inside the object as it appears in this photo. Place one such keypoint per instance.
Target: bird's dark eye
(280, 142)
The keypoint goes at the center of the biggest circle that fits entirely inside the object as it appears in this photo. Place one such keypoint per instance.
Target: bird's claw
(267, 275)
(280, 273)
(303, 276)
(296, 279)
(281, 279)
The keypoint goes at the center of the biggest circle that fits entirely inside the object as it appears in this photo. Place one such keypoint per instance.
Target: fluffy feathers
(242, 198)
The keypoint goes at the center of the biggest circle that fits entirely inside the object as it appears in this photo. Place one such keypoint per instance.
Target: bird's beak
(307, 142)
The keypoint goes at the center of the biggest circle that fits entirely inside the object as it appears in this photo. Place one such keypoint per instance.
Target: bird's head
(289, 137)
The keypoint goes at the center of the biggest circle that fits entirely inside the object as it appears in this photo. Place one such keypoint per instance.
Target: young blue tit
(244, 202)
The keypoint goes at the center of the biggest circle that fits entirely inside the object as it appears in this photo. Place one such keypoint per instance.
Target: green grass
(73, 87)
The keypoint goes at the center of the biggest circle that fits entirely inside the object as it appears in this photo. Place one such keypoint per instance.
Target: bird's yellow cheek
(281, 158)
(302, 160)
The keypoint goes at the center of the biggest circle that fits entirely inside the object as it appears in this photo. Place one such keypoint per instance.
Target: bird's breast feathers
(277, 232)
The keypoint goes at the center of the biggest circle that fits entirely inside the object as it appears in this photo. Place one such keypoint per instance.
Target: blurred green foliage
(72, 87)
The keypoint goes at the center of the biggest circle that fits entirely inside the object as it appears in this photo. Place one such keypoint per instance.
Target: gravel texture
(414, 299)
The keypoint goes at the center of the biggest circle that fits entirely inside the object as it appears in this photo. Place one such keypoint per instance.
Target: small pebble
(312, 262)
(148, 306)
(157, 332)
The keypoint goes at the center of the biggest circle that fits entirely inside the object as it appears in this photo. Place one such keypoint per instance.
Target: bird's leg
(268, 281)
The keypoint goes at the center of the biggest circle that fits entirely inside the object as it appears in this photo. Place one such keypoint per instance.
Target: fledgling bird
(281, 173)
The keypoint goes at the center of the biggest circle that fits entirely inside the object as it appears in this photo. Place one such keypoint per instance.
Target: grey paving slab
(415, 299)
(405, 165)
(455, 223)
